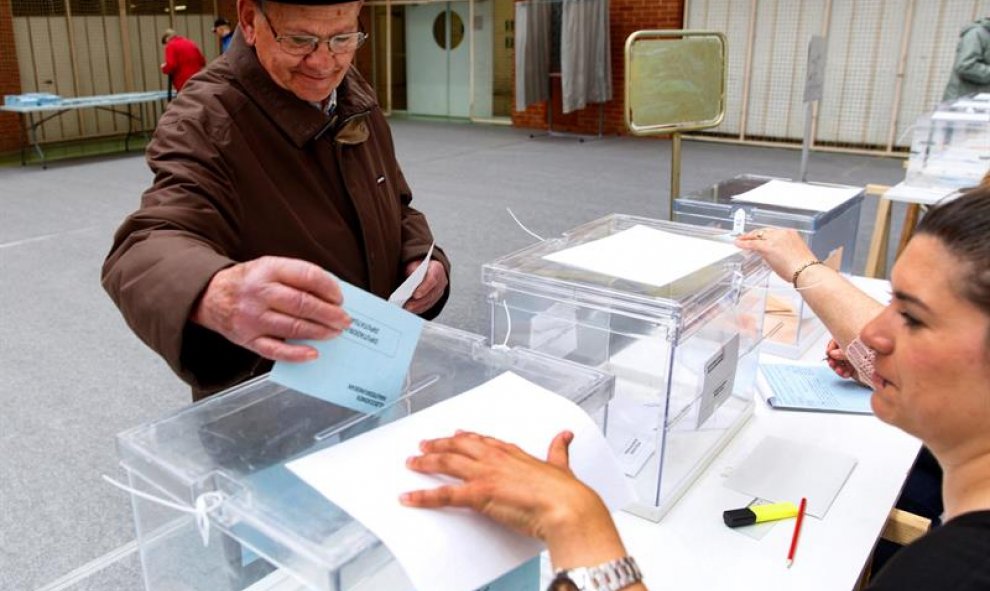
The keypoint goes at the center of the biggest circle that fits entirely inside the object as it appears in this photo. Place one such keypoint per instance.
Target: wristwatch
(610, 576)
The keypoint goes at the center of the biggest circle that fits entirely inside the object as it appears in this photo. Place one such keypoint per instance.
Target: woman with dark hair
(930, 377)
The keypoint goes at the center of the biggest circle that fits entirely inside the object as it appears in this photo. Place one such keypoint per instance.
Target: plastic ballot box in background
(950, 147)
(675, 314)
(830, 231)
(266, 528)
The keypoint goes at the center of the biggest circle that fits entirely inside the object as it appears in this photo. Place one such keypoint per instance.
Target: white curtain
(585, 63)
(532, 52)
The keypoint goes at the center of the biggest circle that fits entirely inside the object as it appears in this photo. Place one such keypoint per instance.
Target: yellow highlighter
(759, 513)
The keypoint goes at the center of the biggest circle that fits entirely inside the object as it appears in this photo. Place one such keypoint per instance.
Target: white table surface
(906, 193)
(691, 548)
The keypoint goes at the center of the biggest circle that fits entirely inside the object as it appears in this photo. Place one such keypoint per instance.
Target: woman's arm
(842, 307)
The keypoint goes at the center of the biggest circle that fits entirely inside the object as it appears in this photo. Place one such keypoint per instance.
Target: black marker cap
(739, 517)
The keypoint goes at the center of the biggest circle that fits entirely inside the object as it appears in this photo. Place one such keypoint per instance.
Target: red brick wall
(625, 18)
(10, 79)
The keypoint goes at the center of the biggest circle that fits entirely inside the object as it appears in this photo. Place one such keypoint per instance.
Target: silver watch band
(610, 576)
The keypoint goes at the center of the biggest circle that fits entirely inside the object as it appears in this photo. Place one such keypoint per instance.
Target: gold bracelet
(801, 269)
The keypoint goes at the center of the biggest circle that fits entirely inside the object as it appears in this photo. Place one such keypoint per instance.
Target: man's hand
(430, 290)
(260, 303)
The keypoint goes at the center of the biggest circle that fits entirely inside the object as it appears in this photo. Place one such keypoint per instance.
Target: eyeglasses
(307, 44)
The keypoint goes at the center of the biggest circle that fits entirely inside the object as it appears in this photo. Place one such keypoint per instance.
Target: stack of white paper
(456, 549)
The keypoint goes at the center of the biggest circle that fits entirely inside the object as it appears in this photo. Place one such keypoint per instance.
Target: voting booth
(951, 145)
(825, 215)
(675, 312)
(266, 529)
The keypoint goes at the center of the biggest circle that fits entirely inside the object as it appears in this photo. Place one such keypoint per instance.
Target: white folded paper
(457, 549)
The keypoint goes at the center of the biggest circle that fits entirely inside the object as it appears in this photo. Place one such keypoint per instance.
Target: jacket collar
(297, 119)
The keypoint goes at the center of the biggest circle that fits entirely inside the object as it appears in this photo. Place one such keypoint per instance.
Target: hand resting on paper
(540, 499)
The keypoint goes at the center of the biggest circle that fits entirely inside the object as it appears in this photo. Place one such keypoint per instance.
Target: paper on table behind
(633, 254)
(454, 549)
(785, 470)
(798, 195)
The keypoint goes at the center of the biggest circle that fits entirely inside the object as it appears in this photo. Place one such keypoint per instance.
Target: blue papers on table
(455, 549)
(814, 388)
(645, 255)
(365, 367)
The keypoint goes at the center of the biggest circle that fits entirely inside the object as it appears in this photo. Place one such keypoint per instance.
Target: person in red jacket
(182, 58)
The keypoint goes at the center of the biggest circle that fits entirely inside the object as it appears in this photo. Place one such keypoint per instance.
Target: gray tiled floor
(73, 375)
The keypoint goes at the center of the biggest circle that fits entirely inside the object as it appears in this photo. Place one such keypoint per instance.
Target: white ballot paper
(782, 470)
(405, 291)
(645, 255)
(455, 549)
(798, 195)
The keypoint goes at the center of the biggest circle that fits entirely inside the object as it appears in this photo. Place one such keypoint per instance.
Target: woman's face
(933, 365)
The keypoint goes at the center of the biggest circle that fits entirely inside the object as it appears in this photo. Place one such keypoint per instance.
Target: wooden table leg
(876, 259)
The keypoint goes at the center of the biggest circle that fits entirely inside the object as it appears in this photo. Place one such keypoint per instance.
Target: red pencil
(797, 531)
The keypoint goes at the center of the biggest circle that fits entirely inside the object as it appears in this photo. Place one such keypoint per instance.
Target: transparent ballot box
(790, 325)
(951, 146)
(684, 351)
(267, 529)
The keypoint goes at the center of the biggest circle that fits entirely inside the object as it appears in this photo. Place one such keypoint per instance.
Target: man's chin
(313, 91)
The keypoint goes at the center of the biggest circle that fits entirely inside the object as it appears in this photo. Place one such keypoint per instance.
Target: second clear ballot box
(684, 352)
(790, 326)
(268, 530)
(950, 146)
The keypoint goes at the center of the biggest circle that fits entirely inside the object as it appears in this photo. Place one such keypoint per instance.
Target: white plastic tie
(739, 222)
(525, 229)
(205, 504)
(508, 329)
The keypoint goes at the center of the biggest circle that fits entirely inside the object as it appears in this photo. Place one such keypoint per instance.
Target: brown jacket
(244, 168)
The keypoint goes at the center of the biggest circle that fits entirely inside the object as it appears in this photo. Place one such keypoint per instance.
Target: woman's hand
(836, 359)
(539, 499)
(784, 250)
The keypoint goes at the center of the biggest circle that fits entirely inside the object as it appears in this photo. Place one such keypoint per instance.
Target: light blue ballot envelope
(364, 368)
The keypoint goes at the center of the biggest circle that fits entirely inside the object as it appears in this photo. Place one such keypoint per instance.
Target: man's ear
(247, 11)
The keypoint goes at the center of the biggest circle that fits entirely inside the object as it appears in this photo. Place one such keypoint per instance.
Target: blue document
(364, 368)
(815, 388)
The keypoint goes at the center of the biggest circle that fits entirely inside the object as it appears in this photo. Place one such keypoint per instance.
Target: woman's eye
(910, 320)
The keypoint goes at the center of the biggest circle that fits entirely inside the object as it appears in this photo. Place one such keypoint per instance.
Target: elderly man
(274, 166)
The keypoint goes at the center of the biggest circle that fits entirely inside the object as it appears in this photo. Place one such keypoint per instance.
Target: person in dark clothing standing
(273, 167)
(222, 29)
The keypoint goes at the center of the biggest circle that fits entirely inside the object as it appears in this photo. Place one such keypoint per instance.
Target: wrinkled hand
(430, 290)
(836, 359)
(260, 303)
(783, 250)
(539, 499)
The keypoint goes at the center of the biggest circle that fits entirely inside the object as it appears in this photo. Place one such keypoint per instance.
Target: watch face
(562, 583)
